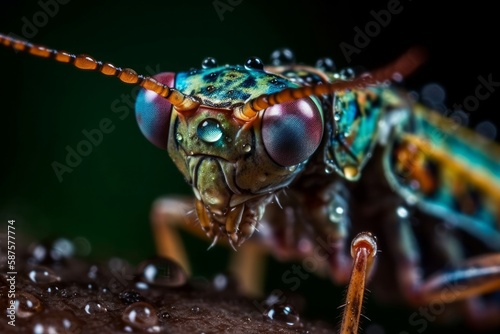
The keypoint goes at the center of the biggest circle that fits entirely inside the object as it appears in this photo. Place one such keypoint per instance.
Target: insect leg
(167, 215)
(465, 280)
(363, 250)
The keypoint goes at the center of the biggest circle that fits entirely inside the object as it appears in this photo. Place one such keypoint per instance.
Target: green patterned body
(228, 86)
(444, 169)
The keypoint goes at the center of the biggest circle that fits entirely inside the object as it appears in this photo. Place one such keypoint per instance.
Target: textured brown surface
(58, 293)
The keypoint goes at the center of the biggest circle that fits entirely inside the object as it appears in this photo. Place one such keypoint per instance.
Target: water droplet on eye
(161, 272)
(141, 316)
(284, 313)
(178, 137)
(43, 275)
(56, 322)
(26, 305)
(209, 130)
(94, 307)
(247, 148)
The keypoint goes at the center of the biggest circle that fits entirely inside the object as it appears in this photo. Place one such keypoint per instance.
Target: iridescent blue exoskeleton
(311, 157)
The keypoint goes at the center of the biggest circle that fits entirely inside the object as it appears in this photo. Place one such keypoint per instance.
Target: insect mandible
(276, 149)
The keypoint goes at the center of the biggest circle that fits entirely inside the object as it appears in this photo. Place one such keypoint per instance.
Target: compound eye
(153, 111)
(292, 131)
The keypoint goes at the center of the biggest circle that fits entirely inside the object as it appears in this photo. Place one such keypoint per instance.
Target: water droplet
(247, 148)
(487, 129)
(284, 313)
(141, 316)
(402, 212)
(254, 63)
(326, 64)
(328, 169)
(26, 304)
(209, 62)
(220, 282)
(130, 296)
(141, 285)
(336, 116)
(210, 130)
(94, 307)
(178, 137)
(460, 117)
(161, 272)
(195, 309)
(43, 275)
(52, 289)
(93, 272)
(61, 249)
(165, 315)
(82, 246)
(282, 57)
(347, 73)
(433, 94)
(56, 322)
(337, 209)
(210, 88)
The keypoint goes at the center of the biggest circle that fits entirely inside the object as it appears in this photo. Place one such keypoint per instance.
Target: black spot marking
(249, 82)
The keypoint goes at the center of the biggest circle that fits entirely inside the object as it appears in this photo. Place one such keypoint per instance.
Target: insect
(282, 149)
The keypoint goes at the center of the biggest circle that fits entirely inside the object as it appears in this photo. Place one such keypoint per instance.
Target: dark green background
(106, 199)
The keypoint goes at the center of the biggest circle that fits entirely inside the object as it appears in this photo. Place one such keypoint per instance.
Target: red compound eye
(292, 131)
(152, 112)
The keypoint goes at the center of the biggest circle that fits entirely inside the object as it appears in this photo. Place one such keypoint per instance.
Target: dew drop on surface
(328, 169)
(284, 313)
(130, 297)
(82, 246)
(141, 285)
(26, 304)
(94, 307)
(92, 272)
(56, 322)
(62, 248)
(43, 275)
(178, 137)
(220, 282)
(247, 148)
(140, 315)
(161, 272)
